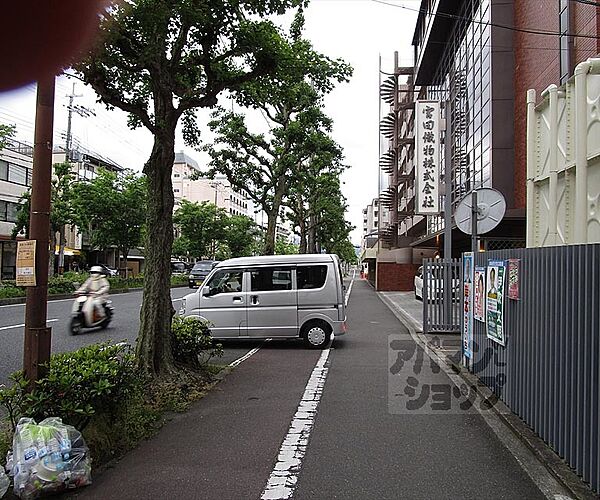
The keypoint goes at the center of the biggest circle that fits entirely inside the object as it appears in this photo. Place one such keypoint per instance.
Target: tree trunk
(272, 215)
(61, 250)
(125, 252)
(271, 230)
(312, 235)
(303, 243)
(153, 348)
(52, 249)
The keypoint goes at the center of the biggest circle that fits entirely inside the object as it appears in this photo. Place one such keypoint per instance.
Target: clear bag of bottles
(48, 457)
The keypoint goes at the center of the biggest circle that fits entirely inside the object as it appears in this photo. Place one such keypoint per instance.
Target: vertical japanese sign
(479, 294)
(467, 332)
(25, 275)
(427, 156)
(513, 279)
(494, 304)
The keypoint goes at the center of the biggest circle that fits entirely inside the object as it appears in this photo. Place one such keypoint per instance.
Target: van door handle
(238, 300)
(254, 299)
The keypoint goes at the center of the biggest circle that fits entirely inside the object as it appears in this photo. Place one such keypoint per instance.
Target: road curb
(561, 472)
(62, 296)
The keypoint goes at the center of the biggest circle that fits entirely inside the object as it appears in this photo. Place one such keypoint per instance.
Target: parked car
(274, 296)
(108, 271)
(437, 285)
(199, 272)
(419, 284)
(178, 267)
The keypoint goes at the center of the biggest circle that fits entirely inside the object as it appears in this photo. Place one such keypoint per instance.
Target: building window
(176, 190)
(565, 42)
(3, 170)
(8, 211)
(175, 176)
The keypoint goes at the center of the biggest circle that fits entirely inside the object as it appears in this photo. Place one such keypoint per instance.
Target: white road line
(23, 325)
(348, 293)
(244, 357)
(284, 477)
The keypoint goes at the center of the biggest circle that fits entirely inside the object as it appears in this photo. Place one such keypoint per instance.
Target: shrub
(9, 290)
(191, 342)
(94, 379)
(179, 280)
(61, 285)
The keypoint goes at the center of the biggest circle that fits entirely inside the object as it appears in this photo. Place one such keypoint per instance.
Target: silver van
(273, 296)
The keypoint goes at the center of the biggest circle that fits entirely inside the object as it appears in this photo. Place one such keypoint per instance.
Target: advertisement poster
(467, 333)
(513, 279)
(25, 275)
(479, 294)
(494, 304)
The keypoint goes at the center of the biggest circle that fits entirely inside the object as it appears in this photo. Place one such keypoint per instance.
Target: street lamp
(215, 185)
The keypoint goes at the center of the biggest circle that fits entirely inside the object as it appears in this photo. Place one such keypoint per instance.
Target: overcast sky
(359, 31)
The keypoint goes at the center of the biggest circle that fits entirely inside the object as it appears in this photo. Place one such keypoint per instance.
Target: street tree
(61, 212)
(112, 208)
(159, 60)
(241, 235)
(260, 164)
(202, 226)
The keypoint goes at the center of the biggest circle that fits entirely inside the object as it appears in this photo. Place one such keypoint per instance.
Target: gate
(441, 310)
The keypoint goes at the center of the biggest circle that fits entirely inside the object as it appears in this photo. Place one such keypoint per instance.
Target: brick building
(542, 60)
(481, 57)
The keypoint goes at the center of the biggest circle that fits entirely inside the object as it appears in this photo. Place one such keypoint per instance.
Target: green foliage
(241, 235)
(94, 379)
(191, 342)
(112, 208)
(9, 290)
(259, 164)
(284, 248)
(201, 225)
(7, 132)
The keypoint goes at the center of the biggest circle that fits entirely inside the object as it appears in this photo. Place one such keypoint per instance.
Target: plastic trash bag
(4, 482)
(48, 457)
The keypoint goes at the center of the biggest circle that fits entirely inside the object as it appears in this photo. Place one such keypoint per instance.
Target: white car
(438, 286)
(419, 284)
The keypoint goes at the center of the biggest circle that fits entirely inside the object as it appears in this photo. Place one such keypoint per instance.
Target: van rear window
(311, 277)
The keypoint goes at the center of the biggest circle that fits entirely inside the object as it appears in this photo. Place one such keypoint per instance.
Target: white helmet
(96, 270)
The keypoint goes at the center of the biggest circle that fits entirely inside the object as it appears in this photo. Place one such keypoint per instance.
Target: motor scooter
(88, 317)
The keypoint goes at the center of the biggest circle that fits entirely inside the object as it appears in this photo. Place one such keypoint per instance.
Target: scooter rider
(97, 287)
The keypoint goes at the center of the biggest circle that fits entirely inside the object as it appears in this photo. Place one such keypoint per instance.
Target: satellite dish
(491, 207)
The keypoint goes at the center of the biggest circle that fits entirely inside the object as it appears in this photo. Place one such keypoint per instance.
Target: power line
(488, 23)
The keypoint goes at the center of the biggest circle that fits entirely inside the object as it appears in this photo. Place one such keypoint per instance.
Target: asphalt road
(290, 422)
(124, 327)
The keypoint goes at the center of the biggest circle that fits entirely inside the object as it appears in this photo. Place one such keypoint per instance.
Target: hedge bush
(191, 342)
(97, 378)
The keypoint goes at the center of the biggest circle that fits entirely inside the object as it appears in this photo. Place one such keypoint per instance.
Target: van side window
(311, 276)
(226, 282)
(270, 278)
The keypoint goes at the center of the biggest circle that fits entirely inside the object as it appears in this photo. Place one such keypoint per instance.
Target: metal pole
(474, 214)
(448, 214)
(37, 334)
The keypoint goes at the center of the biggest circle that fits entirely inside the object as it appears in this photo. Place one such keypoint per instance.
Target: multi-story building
(218, 190)
(16, 167)
(467, 56)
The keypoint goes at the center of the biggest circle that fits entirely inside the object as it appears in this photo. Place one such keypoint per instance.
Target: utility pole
(86, 113)
(37, 334)
(448, 278)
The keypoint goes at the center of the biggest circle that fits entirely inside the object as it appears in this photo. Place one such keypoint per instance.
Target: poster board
(479, 294)
(25, 273)
(514, 270)
(494, 302)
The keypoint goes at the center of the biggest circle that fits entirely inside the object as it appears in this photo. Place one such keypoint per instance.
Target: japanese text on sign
(427, 144)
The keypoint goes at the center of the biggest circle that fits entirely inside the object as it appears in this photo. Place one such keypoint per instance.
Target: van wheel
(316, 334)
